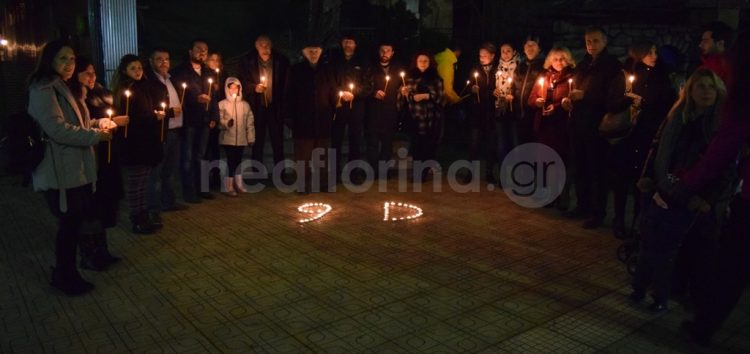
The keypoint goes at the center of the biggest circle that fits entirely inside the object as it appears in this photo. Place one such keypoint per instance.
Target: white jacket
(236, 110)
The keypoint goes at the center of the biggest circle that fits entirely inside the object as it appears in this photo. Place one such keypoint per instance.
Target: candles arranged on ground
(389, 205)
(109, 143)
(127, 109)
(210, 86)
(317, 209)
(164, 111)
(182, 98)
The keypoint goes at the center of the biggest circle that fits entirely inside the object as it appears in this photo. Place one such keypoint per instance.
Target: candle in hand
(109, 143)
(182, 98)
(385, 89)
(210, 86)
(510, 102)
(164, 111)
(351, 89)
(403, 80)
(542, 90)
(265, 98)
(476, 82)
(127, 109)
(629, 86)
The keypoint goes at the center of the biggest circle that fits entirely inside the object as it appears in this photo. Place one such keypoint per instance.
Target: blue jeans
(161, 191)
(194, 144)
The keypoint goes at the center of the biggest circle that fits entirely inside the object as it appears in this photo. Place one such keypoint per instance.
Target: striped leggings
(137, 181)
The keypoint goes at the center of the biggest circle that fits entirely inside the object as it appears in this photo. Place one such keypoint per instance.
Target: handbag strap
(654, 146)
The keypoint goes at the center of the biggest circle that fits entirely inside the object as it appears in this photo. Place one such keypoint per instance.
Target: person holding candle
(263, 73)
(382, 107)
(506, 125)
(552, 110)
(312, 95)
(161, 189)
(237, 132)
(214, 62)
(197, 121)
(350, 71)
(595, 94)
(142, 149)
(524, 79)
(67, 172)
(483, 139)
(424, 97)
(93, 246)
(653, 94)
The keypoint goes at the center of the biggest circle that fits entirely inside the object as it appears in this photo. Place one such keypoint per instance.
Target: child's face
(234, 89)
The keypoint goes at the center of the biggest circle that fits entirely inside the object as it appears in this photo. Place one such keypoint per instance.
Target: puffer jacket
(69, 160)
(241, 130)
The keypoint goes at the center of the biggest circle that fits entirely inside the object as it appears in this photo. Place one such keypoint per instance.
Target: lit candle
(210, 86)
(510, 102)
(476, 82)
(629, 86)
(351, 89)
(338, 104)
(182, 98)
(403, 80)
(265, 98)
(542, 90)
(109, 143)
(465, 86)
(164, 111)
(127, 109)
(385, 89)
(4, 42)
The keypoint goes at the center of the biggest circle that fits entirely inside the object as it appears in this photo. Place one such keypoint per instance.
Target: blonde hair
(567, 56)
(685, 104)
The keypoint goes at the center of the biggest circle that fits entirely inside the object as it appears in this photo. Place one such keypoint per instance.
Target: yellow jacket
(445, 62)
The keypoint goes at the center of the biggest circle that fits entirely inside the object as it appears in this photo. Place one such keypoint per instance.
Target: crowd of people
(157, 124)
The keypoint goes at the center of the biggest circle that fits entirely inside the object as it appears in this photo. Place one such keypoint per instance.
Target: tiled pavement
(476, 274)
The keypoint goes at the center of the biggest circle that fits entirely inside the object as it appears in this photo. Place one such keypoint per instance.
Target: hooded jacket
(446, 60)
(236, 119)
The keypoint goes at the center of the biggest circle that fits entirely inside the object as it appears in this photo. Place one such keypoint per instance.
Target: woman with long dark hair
(141, 141)
(423, 95)
(95, 253)
(67, 173)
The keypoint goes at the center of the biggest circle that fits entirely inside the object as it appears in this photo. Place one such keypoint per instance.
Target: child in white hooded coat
(237, 132)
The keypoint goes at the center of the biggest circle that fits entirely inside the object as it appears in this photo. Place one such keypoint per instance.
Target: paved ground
(476, 274)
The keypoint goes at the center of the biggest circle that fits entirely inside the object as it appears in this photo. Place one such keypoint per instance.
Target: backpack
(26, 145)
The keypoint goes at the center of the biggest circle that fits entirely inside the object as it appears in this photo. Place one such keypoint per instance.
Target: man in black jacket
(161, 195)
(382, 111)
(311, 96)
(596, 93)
(350, 72)
(200, 112)
(263, 73)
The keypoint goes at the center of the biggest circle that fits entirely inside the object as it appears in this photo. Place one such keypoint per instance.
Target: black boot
(91, 255)
(70, 282)
(142, 225)
(103, 249)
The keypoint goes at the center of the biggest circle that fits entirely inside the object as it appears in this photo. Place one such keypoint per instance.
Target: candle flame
(163, 105)
(541, 81)
(402, 74)
(387, 78)
(476, 74)
(109, 113)
(262, 79)
(184, 85)
(341, 93)
(351, 86)
(631, 78)
(127, 93)
(210, 81)
(4, 42)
